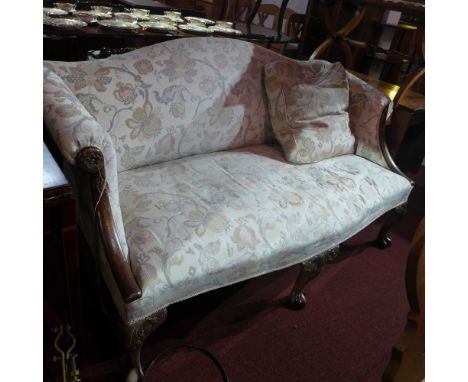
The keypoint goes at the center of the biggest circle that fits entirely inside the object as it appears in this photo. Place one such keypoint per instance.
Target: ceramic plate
(223, 30)
(86, 17)
(139, 12)
(102, 9)
(54, 12)
(199, 20)
(224, 24)
(161, 18)
(67, 7)
(189, 28)
(175, 18)
(142, 17)
(173, 13)
(64, 23)
(157, 25)
(118, 24)
(131, 16)
(95, 14)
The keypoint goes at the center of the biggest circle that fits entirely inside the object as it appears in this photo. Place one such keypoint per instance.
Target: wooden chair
(264, 12)
(295, 26)
(388, 55)
(238, 10)
(292, 22)
(397, 49)
(244, 12)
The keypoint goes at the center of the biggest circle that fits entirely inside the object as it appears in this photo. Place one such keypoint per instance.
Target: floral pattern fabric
(173, 99)
(72, 129)
(308, 104)
(206, 221)
(200, 222)
(366, 106)
(154, 92)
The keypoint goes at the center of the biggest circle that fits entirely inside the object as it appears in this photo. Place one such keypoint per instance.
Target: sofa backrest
(192, 96)
(177, 98)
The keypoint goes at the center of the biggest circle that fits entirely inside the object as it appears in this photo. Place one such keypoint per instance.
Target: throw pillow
(308, 104)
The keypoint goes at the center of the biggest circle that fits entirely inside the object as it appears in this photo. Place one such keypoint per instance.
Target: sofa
(181, 186)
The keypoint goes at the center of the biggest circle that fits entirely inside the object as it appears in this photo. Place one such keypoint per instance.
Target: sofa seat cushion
(206, 221)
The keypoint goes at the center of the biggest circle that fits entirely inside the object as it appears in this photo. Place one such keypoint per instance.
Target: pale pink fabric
(226, 216)
(173, 99)
(366, 108)
(308, 104)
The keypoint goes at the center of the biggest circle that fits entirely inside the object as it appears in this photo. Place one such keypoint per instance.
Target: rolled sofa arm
(91, 160)
(84, 144)
(67, 120)
(368, 109)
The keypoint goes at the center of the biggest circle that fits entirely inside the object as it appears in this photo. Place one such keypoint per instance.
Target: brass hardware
(70, 373)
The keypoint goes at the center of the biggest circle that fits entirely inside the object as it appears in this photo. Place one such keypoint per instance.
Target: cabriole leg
(309, 270)
(383, 240)
(135, 335)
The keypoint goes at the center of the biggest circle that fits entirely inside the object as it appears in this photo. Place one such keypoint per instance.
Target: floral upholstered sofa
(181, 185)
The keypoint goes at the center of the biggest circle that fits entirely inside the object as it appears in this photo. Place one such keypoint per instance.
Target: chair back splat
(382, 39)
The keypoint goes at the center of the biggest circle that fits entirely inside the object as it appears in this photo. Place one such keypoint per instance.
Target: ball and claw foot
(384, 242)
(297, 299)
(133, 376)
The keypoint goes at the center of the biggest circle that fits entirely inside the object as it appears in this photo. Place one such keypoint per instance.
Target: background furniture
(407, 362)
(295, 26)
(147, 4)
(213, 9)
(382, 41)
(76, 45)
(268, 16)
(377, 40)
(60, 230)
(253, 14)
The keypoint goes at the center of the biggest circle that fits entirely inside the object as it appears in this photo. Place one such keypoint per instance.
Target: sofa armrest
(368, 111)
(91, 160)
(84, 144)
(67, 120)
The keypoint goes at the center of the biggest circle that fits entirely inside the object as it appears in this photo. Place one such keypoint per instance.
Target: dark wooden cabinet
(61, 236)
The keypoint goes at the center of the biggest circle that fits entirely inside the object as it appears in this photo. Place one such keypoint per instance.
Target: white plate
(224, 24)
(219, 29)
(156, 25)
(142, 17)
(175, 18)
(86, 17)
(54, 12)
(139, 11)
(118, 24)
(95, 14)
(64, 23)
(161, 18)
(199, 20)
(67, 7)
(173, 13)
(102, 9)
(189, 28)
(131, 16)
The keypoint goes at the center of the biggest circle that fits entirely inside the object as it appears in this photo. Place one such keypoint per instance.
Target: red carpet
(356, 309)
